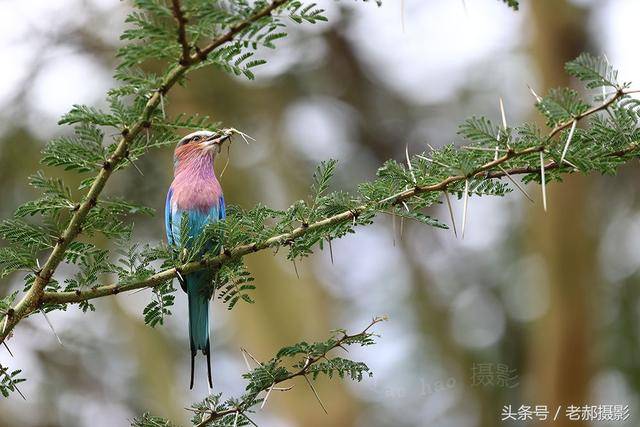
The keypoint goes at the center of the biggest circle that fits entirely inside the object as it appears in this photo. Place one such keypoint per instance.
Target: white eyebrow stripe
(204, 133)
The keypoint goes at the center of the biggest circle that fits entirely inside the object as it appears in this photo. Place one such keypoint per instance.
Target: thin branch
(302, 372)
(485, 171)
(181, 21)
(34, 298)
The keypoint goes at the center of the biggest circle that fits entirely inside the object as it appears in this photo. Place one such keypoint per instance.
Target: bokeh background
(530, 308)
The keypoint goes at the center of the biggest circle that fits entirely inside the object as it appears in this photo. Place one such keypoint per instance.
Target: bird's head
(201, 144)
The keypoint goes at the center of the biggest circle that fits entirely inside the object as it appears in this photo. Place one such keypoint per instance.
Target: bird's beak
(216, 141)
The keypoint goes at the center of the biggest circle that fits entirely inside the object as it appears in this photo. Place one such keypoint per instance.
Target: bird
(196, 195)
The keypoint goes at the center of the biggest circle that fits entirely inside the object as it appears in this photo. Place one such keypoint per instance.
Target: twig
(302, 372)
(181, 20)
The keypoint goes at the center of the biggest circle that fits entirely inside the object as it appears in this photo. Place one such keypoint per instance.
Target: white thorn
(502, 113)
(51, 326)
(453, 221)
(571, 164)
(246, 361)
(433, 161)
(267, 396)
(535, 95)
(393, 222)
(543, 181)
(604, 90)
(235, 420)
(464, 207)
(406, 153)
(515, 183)
(164, 115)
(467, 147)
(566, 145)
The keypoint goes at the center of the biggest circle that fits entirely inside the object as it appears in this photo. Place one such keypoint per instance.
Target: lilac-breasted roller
(195, 193)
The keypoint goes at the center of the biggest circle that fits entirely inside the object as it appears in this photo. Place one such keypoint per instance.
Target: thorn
(8, 349)
(566, 145)
(393, 222)
(467, 147)
(249, 419)
(246, 361)
(495, 152)
(406, 152)
(330, 251)
(295, 267)
(179, 275)
(164, 115)
(516, 183)
(464, 207)
(235, 420)
(51, 326)
(433, 161)
(135, 166)
(316, 394)
(502, 113)
(453, 221)
(571, 164)
(535, 95)
(543, 181)
(267, 396)
(604, 90)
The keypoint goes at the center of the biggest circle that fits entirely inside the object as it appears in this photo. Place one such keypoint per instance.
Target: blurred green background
(529, 309)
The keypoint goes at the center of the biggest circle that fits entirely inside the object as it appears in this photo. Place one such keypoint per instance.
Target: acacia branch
(490, 170)
(34, 298)
(247, 402)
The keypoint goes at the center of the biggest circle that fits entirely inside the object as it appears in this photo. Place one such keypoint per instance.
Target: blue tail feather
(198, 291)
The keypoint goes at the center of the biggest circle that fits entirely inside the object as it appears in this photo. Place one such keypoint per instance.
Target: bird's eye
(195, 139)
